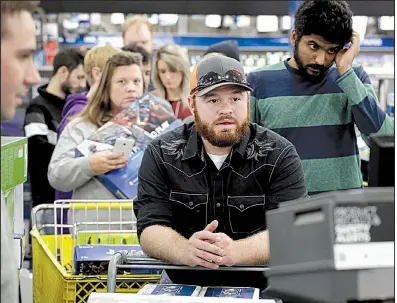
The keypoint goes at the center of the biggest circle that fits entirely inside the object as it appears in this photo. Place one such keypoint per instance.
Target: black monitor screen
(381, 162)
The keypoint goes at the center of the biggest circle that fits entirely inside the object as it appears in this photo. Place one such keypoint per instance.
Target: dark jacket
(42, 119)
(180, 187)
(74, 105)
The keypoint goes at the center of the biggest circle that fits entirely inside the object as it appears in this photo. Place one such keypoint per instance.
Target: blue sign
(280, 43)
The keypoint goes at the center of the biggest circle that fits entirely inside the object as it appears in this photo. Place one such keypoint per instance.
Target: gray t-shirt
(9, 277)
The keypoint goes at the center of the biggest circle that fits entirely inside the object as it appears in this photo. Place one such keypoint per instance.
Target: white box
(17, 243)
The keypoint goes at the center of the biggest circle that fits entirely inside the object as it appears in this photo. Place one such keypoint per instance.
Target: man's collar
(241, 147)
(192, 147)
(192, 144)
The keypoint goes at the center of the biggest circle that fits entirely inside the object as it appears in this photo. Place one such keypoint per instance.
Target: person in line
(43, 116)
(147, 68)
(18, 73)
(139, 31)
(171, 79)
(94, 62)
(317, 98)
(120, 85)
(146, 60)
(229, 48)
(204, 188)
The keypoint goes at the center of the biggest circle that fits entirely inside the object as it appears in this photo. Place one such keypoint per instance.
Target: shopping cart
(75, 222)
(121, 260)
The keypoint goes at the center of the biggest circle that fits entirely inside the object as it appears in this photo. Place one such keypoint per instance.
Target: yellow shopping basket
(53, 278)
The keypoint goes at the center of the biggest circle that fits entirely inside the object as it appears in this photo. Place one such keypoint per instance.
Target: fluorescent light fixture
(154, 19)
(243, 21)
(386, 23)
(360, 25)
(83, 17)
(117, 18)
(168, 19)
(227, 21)
(267, 23)
(213, 21)
(95, 18)
(286, 23)
(70, 24)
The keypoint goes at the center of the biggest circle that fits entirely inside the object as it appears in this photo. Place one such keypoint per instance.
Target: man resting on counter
(204, 188)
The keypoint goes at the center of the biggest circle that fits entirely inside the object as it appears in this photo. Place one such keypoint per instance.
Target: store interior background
(263, 38)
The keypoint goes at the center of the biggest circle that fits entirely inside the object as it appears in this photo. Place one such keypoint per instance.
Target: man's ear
(63, 73)
(96, 73)
(191, 104)
(292, 37)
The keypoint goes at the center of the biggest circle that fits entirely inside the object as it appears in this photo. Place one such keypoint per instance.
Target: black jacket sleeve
(152, 206)
(287, 180)
(40, 150)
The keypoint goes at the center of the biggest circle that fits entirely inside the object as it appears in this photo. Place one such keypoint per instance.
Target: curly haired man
(316, 98)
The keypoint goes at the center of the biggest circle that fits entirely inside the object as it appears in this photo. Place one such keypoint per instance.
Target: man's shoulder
(265, 136)
(273, 76)
(37, 102)
(280, 66)
(177, 136)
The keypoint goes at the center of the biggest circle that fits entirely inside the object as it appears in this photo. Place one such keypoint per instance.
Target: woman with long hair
(171, 79)
(122, 83)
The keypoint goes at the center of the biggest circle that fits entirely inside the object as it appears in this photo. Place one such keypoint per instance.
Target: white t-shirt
(218, 160)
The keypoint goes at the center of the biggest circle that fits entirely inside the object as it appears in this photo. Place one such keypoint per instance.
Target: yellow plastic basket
(52, 279)
(53, 284)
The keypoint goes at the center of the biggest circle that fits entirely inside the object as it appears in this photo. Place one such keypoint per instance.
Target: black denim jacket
(180, 187)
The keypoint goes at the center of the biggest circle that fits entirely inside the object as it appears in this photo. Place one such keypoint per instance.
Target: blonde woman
(171, 79)
(121, 83)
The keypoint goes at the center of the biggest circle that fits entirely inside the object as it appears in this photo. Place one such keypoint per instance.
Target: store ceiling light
(267, 23)
(386, 23)
(83, 17)
(95, 18)
(213, 21)
(228, 21)
(168, 19)
(70, 24)
(286, 23)
(360, 25)
(117, 18)
(154, 19)
(243, 21)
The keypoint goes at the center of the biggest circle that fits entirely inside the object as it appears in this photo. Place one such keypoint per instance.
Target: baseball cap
(216, 71)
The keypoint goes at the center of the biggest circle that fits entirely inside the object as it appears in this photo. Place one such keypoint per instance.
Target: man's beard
(66, 88)
(225, 138)
(302, 69)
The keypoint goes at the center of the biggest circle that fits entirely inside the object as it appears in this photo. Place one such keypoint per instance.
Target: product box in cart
(170, 290)
(97, 297)
(94, 259)
(230, 292)
(14, 157)
(141, 122)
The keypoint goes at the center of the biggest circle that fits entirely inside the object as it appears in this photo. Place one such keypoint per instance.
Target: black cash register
(334, 247)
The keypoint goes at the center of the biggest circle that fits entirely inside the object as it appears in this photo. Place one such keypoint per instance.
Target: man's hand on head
(344, 59)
